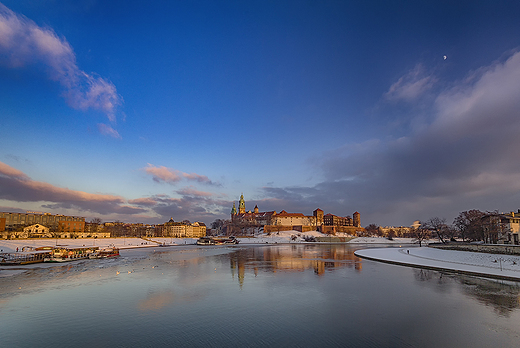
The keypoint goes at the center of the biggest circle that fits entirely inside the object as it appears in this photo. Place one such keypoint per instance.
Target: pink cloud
(197, 177)
(163, 174)
(191, 191)
(18, 187)
(143, 201)
(11, 172)
(170, 175)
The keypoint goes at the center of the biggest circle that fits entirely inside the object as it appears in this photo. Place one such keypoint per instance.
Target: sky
(140, 111)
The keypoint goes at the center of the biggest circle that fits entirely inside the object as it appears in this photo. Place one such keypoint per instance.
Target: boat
(217, 240)
(105, 253)
(205, 241)
(24, 258)
(65, 254)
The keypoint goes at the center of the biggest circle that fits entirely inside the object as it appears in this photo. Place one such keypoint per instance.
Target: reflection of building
(272, 221)
(294, 258)
(183, 229)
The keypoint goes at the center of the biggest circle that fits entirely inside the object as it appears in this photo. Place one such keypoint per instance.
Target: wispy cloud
(191, 191)
(23, 42)
(108, 130)
(411, 85)
(170, 175)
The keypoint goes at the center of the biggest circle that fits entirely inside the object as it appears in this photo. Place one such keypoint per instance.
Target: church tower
(242, 205)
(357, 219)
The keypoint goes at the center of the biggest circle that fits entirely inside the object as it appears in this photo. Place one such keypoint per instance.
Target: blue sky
(144, 110)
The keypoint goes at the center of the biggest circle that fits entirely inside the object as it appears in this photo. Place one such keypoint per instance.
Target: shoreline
(9, 246)
(496, 266)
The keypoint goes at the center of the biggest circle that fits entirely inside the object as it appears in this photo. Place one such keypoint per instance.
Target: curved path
(506, 267)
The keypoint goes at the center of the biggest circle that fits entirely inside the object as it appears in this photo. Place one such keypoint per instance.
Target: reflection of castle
(294, 258)
(284, 221)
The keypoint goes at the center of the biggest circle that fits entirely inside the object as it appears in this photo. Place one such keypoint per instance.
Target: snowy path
(479, 264)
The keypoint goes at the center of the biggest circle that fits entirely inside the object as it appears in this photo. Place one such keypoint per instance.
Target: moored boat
(217, 240)
(105, 253)
(65, 254)
(23, 258)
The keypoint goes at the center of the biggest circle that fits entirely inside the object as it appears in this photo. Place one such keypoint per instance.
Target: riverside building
(13, 224)
(271, 221)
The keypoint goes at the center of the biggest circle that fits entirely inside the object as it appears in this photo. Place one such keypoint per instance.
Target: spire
(241, 205)
(233, 210)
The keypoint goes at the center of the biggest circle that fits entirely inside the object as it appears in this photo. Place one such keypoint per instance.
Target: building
(12, 225)
(183, 230)
(36, 231)
(272, 221)
(502, 227)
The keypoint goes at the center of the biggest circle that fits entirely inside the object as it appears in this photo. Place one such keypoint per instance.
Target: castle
(272, 221)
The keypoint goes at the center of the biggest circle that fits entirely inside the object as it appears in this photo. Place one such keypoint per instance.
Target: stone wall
(343, 229)
(279, 228)
(481, 248)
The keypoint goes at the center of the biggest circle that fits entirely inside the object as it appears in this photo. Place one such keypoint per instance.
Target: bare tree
(493, 227)
(373, 230)
(420, 234)
(437, 226)
(469, 224)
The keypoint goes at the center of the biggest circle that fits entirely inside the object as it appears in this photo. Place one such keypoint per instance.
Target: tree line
(468, 226)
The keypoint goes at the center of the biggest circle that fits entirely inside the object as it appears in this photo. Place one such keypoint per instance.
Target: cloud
(465, 157)
(196, 177)
(147, 202)
(170, 175)
(8, 171)
(23, 42)
(163, 174)
(192, 205)
(17, 186)
(107, 130)
(410, 86)
(191, 191)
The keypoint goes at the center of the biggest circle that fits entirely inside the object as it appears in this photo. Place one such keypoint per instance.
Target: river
(252, 296)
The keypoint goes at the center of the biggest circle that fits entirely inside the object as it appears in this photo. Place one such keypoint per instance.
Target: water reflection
(294, 258)
(502, 296)
(157, 300)
(284, 295)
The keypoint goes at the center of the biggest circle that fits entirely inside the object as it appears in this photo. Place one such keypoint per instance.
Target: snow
(482, 264)
(381, 240)
(9, 246)
(492, 265)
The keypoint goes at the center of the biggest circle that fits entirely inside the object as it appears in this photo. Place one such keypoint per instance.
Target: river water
(252, 296)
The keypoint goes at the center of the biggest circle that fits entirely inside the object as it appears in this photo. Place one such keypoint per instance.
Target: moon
(445, 57)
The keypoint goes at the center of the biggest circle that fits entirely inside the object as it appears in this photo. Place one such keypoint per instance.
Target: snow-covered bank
(480, 264)
(9, 246)
(303, 237)
(127, 243)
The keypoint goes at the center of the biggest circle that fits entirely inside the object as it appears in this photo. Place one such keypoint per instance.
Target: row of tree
(470, 225)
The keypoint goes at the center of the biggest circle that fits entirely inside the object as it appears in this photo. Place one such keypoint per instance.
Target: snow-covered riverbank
(127, 243)
(472, 263)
